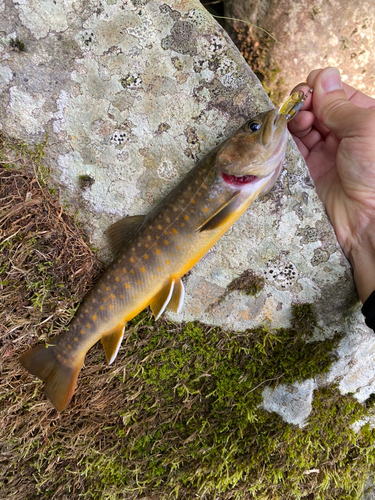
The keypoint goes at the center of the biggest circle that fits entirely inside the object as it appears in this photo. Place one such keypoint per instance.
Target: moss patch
(85, 181)
(197, 421)
(16, 43)
(177, 415)
(249, 282)
(257, 50)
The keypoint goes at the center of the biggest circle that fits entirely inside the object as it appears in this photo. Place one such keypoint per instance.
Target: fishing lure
(293, 104)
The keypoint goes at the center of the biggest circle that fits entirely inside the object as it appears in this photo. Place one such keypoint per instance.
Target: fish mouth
(235, 180)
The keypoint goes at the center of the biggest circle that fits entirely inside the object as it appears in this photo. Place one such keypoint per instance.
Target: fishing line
(251, 24)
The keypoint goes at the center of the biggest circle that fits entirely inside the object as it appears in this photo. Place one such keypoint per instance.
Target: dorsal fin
(121, 231)
(177, 299)
(112, 342)
(161, 300)
(220, 216)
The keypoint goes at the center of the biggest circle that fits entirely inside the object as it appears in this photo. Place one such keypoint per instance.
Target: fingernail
(331, 80)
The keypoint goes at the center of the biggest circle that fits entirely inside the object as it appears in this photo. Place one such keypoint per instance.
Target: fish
(155, 251)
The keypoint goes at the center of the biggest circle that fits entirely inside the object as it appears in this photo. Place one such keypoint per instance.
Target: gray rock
(369, 490)
(312, 35)
(355, 369)
(131, 95)
(292, 402)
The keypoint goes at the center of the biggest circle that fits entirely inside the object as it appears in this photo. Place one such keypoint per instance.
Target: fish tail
(59, 378)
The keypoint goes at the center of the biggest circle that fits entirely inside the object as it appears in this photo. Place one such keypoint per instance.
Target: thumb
(330, 104)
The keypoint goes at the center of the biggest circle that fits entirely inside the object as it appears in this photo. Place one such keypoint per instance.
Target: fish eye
(254, 126)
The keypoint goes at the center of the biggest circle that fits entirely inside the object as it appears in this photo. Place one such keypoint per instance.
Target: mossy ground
(177, 415)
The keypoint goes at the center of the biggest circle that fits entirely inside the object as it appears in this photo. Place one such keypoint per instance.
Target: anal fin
(112, 342)
(121, 231)
(177, 299)
(161, 300)
(219, 218)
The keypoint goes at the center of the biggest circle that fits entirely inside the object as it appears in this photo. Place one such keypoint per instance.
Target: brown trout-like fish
(155, 251)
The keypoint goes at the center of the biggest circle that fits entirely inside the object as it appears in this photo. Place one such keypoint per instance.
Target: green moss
(16, 43)
(304, 319)
(249, 282)
(196, 430)
(85, 181)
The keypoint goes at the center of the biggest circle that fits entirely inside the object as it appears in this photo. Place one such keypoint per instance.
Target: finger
(312, 76)
(332, 107)
(305, 152)
(322, 129)
(348, 89)
(301, 123)
(358, 98)
(355, 96)
(311, 139)
(304, 123)
(300, 86)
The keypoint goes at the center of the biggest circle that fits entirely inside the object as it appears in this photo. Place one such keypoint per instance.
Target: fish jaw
(257, 187)
(253, 183)
(248, 154)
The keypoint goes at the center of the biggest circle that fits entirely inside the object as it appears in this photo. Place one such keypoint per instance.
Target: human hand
(335, 132)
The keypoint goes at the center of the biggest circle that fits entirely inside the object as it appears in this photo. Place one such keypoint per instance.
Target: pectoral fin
(111, 343)
(161, 300)
(220, 217)
(121, 231)
(177, 299)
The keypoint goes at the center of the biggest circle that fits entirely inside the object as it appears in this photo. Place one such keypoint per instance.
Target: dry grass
(36, 236)
(46, 268)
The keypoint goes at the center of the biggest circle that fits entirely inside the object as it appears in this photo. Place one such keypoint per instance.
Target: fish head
(252, 157)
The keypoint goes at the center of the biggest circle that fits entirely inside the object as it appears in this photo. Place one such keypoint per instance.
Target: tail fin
(60, 379)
